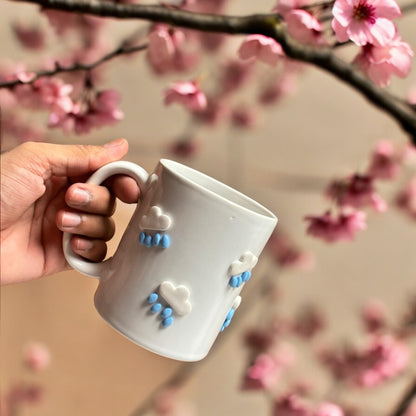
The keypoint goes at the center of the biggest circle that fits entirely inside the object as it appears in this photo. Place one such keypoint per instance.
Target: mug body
(174, 282)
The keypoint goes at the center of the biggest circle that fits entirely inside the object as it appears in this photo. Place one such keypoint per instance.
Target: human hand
(41, 196)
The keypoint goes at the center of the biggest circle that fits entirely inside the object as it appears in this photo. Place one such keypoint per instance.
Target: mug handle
(114, 168)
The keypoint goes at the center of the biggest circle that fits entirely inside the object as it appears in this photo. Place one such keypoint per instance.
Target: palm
(34, 235)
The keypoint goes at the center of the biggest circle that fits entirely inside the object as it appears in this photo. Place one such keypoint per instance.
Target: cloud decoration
(177, 297)
(236, 303)
(155, 220)
(246, 262)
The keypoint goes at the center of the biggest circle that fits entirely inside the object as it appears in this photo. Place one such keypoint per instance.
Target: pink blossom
(365, 21)
(262, 374)
(287, 254)
(18, 128)
(381, 359)
(261, 47)
(214, 113)
(384, 358)
(30, 37)
(290, 405)
(234, 75)
(46, 93)
(207, 6)
(309, 321)
(384, 163)
(373, 315)
(99, 112)
(186, 147)
(332, 229)
(328, 409)
(379, 63)
(304, 27)
(407, 154)
(36, 356)
(356, 191)
(411, 411)
(186, 94)
(244, 117)
(411, 95)
(279, 88)
(164, 43)
(284, 6)
(406, 199)
(260, 339)
(61, 21)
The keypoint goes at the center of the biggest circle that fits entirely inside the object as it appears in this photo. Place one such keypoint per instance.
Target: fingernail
(80, 197)
(70, 219)
(83, 245)
(115, 143)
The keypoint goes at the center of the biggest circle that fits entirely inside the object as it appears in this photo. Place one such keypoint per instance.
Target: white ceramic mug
(174, 281)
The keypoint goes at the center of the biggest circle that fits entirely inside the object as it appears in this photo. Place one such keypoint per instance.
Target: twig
(405, 401)
(270, 25)
(121, 50)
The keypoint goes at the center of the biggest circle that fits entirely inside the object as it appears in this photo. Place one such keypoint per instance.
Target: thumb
(48, 160)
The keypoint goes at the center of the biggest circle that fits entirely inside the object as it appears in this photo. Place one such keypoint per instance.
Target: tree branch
(406, 401)
(266, 24)
(121, 50)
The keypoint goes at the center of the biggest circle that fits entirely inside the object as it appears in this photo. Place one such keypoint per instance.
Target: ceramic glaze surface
(168, 286)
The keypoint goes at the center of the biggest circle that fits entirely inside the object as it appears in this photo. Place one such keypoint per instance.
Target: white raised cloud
(177, 297)
(155, 220)
(246, 262)
(236, 303)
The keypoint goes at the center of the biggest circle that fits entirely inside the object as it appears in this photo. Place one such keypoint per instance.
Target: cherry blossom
(234, 75)
(31, 37)
(341, 228)
(260, 339)
(100, 111)
(262, 374)
(308, 322)
(304, 27)
(365, 21)
(406, 199)
(328, 409)
(284, 6)
(186, 94)
(379, 63)
(244, 116)
(184, 148)
(215, 112)
(22, 130)
(290, 405)
(384, 162)
(287, 254)
(164, 52)
(373, 316)
(36, 356)
(278, 88)
(382, 358)
(356, 191)
(261, 47)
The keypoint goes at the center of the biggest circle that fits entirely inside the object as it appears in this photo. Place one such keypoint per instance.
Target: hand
(41, 197)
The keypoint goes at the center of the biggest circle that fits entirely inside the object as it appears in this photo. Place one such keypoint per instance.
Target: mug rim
(257, 208)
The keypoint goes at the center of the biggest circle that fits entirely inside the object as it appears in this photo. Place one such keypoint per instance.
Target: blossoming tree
(283, 38)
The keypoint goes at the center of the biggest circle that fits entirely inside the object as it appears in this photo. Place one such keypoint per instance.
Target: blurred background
(324, 130)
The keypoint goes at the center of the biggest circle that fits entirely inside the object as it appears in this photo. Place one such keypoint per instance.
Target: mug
(174, 281)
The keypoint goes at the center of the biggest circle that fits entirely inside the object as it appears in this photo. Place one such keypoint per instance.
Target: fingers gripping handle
(114, 168)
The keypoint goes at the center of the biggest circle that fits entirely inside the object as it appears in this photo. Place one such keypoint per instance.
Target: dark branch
(406, 400)
(266, 24)
(122, 50)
